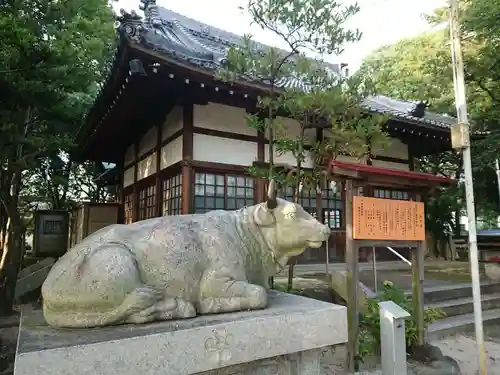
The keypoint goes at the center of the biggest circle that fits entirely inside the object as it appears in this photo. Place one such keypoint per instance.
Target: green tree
(50, 55)
(323, 98)
(420, 69)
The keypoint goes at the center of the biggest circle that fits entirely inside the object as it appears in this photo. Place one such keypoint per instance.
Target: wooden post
(352, 258)
(135, 188)
(159, 182)
(187, 158)
(417, 264)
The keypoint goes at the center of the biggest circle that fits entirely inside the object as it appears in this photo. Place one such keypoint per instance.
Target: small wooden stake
(352, 257)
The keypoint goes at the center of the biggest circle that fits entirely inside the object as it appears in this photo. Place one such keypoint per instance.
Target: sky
(382, 22)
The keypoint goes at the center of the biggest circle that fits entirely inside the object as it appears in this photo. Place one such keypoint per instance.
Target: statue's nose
(326, 230)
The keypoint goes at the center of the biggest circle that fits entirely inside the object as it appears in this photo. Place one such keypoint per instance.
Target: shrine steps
(456, 302)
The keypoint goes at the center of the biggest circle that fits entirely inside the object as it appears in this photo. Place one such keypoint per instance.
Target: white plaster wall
(223, 150)
(223, 118)
(290, 129)
(171, 153)
(128, 176)
(148, 141)
(129, 155)
(390, 165)
(173, 122)
(395, 149)
(146, 167)
(289, 159)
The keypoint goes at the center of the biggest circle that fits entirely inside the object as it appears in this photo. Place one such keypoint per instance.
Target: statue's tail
(138, 300)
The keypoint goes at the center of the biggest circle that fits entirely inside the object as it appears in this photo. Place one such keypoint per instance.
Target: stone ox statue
(177, 266)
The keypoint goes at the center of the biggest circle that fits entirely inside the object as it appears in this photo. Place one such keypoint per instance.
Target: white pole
(462, 142)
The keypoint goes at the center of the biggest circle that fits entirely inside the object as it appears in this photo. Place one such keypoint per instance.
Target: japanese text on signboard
(389, 220)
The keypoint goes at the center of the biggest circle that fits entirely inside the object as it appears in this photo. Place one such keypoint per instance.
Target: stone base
(284, 339)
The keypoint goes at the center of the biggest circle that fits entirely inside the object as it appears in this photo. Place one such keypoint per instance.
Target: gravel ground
(461, 348)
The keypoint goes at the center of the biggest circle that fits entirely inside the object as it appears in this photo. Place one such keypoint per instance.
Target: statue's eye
(291, 215)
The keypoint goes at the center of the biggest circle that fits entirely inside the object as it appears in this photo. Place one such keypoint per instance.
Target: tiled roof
(189, 41)
(403, 110)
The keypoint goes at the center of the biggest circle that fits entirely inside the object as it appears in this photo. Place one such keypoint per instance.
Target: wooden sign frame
(387, 219)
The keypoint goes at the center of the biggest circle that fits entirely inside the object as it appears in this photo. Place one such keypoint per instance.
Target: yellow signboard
(388, 220)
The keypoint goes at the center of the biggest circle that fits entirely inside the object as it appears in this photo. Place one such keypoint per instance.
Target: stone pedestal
(284, 339)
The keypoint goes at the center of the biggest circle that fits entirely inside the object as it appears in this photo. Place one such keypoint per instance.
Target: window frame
(225, 175)
(148, 211)
(326, 195)
(171, 205)
(406, 196)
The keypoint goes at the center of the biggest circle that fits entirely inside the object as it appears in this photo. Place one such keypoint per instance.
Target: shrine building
(181, 143)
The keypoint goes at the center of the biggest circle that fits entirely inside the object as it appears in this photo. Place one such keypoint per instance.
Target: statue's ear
(263, 216)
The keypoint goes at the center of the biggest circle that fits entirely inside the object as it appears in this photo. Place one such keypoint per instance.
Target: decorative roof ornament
(146, 4)
(419, 109)
(129, 24)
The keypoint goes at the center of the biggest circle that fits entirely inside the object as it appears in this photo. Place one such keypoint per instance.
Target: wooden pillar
(352, 258)
(135, 192)
(187, 158)
(417, 265)
(120, 197)
(159, 190)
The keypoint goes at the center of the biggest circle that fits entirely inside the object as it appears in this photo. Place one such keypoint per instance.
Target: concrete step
(460, 324)
(460, 306)
(456, 291)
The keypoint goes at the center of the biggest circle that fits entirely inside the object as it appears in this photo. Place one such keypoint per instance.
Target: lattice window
(307, 198)
(128, 208)
(331, 204)
(52, 227)
(222, 192)
(172, 196)
(147, 202)
(391, 194)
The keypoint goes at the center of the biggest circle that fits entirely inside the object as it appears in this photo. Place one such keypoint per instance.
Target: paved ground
(400, 279)
(304, 269)
(437, 273)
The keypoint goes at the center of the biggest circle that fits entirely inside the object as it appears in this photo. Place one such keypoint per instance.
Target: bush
(369, 335)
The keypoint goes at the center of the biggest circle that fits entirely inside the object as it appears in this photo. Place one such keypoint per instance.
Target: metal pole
(460, 140)
(374, 260)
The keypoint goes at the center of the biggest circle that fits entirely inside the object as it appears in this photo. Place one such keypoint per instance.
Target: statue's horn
(272, 202)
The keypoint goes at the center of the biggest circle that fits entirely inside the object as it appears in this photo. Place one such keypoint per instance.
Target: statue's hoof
(257, 297)
(185, 309)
